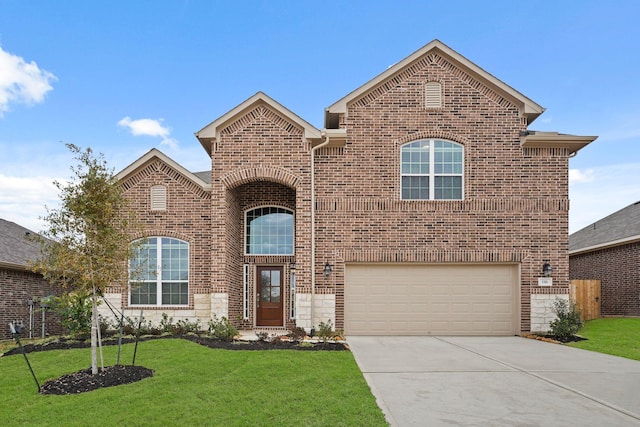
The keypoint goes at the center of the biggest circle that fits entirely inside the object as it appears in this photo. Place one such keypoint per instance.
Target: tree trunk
(94, 333)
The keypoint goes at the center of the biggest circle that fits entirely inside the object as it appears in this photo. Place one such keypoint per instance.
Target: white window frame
(432, 175)
(158, 275)
(246, 230)
(245, 292)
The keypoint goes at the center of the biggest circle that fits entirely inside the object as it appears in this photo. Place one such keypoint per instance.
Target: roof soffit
(528, 107)
(211, 132)
(154, 153)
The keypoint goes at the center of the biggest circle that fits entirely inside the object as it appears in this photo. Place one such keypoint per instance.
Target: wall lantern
(292, 266)
(546, 268)
(327, 269)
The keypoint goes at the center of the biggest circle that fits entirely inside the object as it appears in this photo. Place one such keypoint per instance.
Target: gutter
(313, 224)
(607, 245)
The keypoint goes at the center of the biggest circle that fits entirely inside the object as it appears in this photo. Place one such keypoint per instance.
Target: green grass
(617, 336)
(195, 386)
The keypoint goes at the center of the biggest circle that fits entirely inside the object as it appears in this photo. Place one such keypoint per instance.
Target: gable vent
(158, 198)
(433, 95)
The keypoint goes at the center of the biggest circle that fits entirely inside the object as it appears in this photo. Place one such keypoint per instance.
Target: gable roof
(529, 108)
(16, 248)
(154, 153)
(211, 132)
(619, 228)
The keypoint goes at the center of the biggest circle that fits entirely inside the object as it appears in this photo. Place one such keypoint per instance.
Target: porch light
(327, 269)
(546, 268)
(292, 266)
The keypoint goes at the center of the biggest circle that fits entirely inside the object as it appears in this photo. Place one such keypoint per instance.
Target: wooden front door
(269, 304)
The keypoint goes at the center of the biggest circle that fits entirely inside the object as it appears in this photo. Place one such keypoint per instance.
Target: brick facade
(18, 287)
(618, 269)
(514, 210)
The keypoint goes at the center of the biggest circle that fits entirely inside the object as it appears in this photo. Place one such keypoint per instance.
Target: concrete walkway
(497, 381)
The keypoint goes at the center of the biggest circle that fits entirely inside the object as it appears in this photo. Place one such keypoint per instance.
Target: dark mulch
(564, 340)
(65, 344)
(83, 381)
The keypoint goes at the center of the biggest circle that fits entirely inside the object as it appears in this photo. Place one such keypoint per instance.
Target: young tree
(89, 237)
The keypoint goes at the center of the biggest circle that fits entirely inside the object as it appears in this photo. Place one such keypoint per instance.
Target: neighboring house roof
(16, 248)
(199, 178)
(528, 107)
(619, 228)
(211, 132)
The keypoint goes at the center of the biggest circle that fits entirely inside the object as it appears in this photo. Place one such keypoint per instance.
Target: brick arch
(244, 176)
(162, 233)
(433, 135)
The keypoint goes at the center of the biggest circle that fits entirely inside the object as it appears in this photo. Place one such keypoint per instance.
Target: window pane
(415, 187)
(448, 157)
(175, 293)
(143, 294)
(269, 231)
(448, 187)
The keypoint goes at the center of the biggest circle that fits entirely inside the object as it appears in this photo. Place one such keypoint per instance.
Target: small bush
(325, 331)
(222, 329)
(74, 310)
(166, 323)
(262, 336)
(568, 321)
(184, 327)
(297, 334)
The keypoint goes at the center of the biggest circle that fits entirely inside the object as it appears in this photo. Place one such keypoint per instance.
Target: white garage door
(419, 299)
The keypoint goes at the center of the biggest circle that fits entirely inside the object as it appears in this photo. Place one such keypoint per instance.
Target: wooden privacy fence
(586, 295)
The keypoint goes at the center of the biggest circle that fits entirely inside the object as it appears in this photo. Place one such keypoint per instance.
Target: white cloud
(23, 199)
(150, 127)
(580, 176)
(145, 127)
(21, 82)
(604, 190)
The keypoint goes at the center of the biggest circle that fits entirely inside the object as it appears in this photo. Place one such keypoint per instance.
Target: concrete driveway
(497, 381)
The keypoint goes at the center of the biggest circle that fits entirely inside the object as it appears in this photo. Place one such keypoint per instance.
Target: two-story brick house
(424, 206)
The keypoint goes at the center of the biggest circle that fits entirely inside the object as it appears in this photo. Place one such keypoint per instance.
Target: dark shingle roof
(619, 226)
(205, 176)
(16, 249)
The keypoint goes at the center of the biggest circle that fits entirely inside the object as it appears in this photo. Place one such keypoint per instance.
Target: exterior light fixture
(546, 268)
(292, 266)
(327, 269)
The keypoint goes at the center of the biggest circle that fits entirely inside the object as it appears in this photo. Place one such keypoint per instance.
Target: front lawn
(195, 385)
(617, 336)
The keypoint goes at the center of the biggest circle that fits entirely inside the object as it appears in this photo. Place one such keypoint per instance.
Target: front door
(269, 297)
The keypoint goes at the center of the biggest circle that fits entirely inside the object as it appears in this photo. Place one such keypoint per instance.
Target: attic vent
(158, 198)
(433, 95)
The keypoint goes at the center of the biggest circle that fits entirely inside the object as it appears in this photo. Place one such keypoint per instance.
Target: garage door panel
(419, 299)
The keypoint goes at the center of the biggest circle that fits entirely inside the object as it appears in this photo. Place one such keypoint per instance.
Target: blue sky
(123, 77)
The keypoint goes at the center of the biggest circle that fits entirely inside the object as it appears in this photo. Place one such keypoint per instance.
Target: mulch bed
(553, 339)
(83, 381)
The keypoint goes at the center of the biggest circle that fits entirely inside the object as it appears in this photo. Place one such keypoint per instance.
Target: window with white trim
(269, 231)
(432, 169)
(159, 272)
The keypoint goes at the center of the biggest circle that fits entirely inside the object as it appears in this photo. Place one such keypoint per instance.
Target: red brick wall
(187, 217)
(16, 287)
(515, 207)
(618, 269)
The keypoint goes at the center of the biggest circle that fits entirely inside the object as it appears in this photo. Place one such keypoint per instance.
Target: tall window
(269, 231)
(432, 169)
(159, 272)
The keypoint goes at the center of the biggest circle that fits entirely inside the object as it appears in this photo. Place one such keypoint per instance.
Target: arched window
(432, 169)
(159, 272)
(269, 231)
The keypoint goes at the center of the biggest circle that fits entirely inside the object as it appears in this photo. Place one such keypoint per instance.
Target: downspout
(313, 224)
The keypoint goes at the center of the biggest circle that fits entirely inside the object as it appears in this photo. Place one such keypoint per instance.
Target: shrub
(262, 336)
(185, 326)
(325, 331)
(568, 321)
(222, 329)
(74, 310)
(166, 323)
(297, 334)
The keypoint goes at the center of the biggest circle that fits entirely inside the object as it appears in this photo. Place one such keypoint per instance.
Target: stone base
(542, 310)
